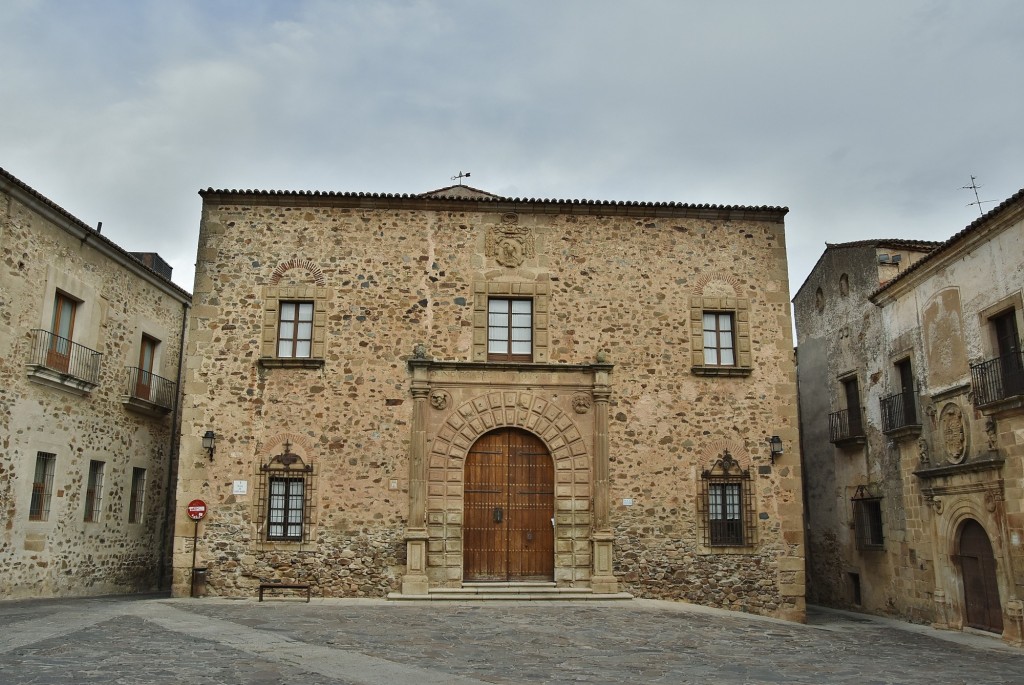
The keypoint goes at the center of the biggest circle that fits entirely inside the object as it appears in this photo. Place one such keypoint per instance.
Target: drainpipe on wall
(165, 573)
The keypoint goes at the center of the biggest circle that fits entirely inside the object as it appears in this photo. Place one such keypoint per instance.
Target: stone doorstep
(518, 592)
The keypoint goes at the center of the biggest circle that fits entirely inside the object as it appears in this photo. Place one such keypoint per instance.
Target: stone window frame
(1014, 303)
(867, 521)
(728, 471)
(539, 293)
(42, 487)
(93, 499)
(273, 296)
(137, 495)
(739, 308)
(287, 465)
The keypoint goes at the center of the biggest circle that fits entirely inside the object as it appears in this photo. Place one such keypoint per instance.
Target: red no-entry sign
(196, 509)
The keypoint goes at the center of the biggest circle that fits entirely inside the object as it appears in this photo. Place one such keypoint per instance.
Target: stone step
(519, 592)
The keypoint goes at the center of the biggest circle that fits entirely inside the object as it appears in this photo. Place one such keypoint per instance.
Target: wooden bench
(285, 586)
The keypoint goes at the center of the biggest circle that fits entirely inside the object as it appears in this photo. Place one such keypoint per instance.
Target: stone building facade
(415, 393)
(90, 342)
(912, 422)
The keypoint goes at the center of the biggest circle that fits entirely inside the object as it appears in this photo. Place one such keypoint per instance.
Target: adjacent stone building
(456, 392)
(912, 424)
(90, 342)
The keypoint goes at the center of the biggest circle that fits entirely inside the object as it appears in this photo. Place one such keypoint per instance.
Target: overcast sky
(865, 118)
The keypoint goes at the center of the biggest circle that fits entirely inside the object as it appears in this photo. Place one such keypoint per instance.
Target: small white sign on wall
(627, 502)
(240, 487)
(1014, 539)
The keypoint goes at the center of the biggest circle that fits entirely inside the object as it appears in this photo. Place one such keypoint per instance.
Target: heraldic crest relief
(508, 243)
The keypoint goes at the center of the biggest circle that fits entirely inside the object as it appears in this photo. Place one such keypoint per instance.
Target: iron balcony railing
(145, 385)
(65, 357)
(845, 424)
(898, 411)
(998, 379)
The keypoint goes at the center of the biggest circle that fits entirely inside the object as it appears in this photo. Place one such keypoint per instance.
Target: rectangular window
(62, 328)
(295, 329)
(42, 487)
(94, 491)
(851, 392)
(285, 509)
(138, 495)
(719, 345)
(144, 378)
(725, 513)
(509, 330)
(867, 516)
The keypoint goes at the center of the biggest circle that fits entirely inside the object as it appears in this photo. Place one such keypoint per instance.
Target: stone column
(602, 580)
(415, 581)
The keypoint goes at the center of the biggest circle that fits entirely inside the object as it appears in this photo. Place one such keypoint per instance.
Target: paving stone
(210, 641)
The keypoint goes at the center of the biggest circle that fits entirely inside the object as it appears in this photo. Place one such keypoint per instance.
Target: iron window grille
(94, 492)
(727, 502)
(867, 520)
(42, 487)
(138, 495)
(286, 497)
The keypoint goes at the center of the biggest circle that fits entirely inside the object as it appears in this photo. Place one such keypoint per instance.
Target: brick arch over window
(308, 265)
(569, 451)
(719, 278)
(714, 449)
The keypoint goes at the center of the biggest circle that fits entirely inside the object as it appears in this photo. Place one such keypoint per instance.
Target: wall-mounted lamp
(209, 442)
(775, 444)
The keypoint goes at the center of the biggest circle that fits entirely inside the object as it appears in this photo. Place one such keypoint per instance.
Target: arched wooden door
(509, 505)
(981, 591)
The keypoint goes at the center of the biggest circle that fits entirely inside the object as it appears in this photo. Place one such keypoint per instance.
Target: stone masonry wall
(64, 555)
(397, 273)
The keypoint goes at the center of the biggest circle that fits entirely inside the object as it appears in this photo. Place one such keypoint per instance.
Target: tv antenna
(461, 176)
(977, 201)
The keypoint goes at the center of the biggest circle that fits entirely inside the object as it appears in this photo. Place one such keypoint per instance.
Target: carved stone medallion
(581, 403)
(953, 433)
(508, 243)
(439, 400)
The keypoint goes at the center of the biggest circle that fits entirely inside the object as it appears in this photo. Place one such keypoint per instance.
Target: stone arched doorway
(982, 608)
(509, 508)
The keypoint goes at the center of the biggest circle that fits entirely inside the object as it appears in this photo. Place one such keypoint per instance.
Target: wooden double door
(982, 608)
(509, 508)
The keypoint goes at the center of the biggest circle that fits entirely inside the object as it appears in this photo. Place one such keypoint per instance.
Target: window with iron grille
(94, 491)
(727, 504)
(42, 487)
(867, 521)
(286, 496)
(138, 495)
(509, 329)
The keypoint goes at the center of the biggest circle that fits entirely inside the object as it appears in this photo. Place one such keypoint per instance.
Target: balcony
(846, 427)
(149, 394)
(999, 383)
(899, 415)
(63, 364)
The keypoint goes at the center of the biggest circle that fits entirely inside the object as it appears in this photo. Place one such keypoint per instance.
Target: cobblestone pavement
(209, 641)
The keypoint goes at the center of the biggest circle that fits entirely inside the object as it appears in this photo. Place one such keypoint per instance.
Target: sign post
(196, 510)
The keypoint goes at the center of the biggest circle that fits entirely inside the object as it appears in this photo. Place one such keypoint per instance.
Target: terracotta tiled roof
(890, 243)
(489, 198)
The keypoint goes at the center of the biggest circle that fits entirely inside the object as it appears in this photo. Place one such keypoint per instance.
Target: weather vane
(460, 176)
(977, 201)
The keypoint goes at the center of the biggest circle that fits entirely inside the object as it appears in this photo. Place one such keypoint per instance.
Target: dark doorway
(982, 609)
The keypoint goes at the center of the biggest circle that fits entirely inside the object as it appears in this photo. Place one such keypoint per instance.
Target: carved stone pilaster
(602, 579)
(415, 581)
(941, 610)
